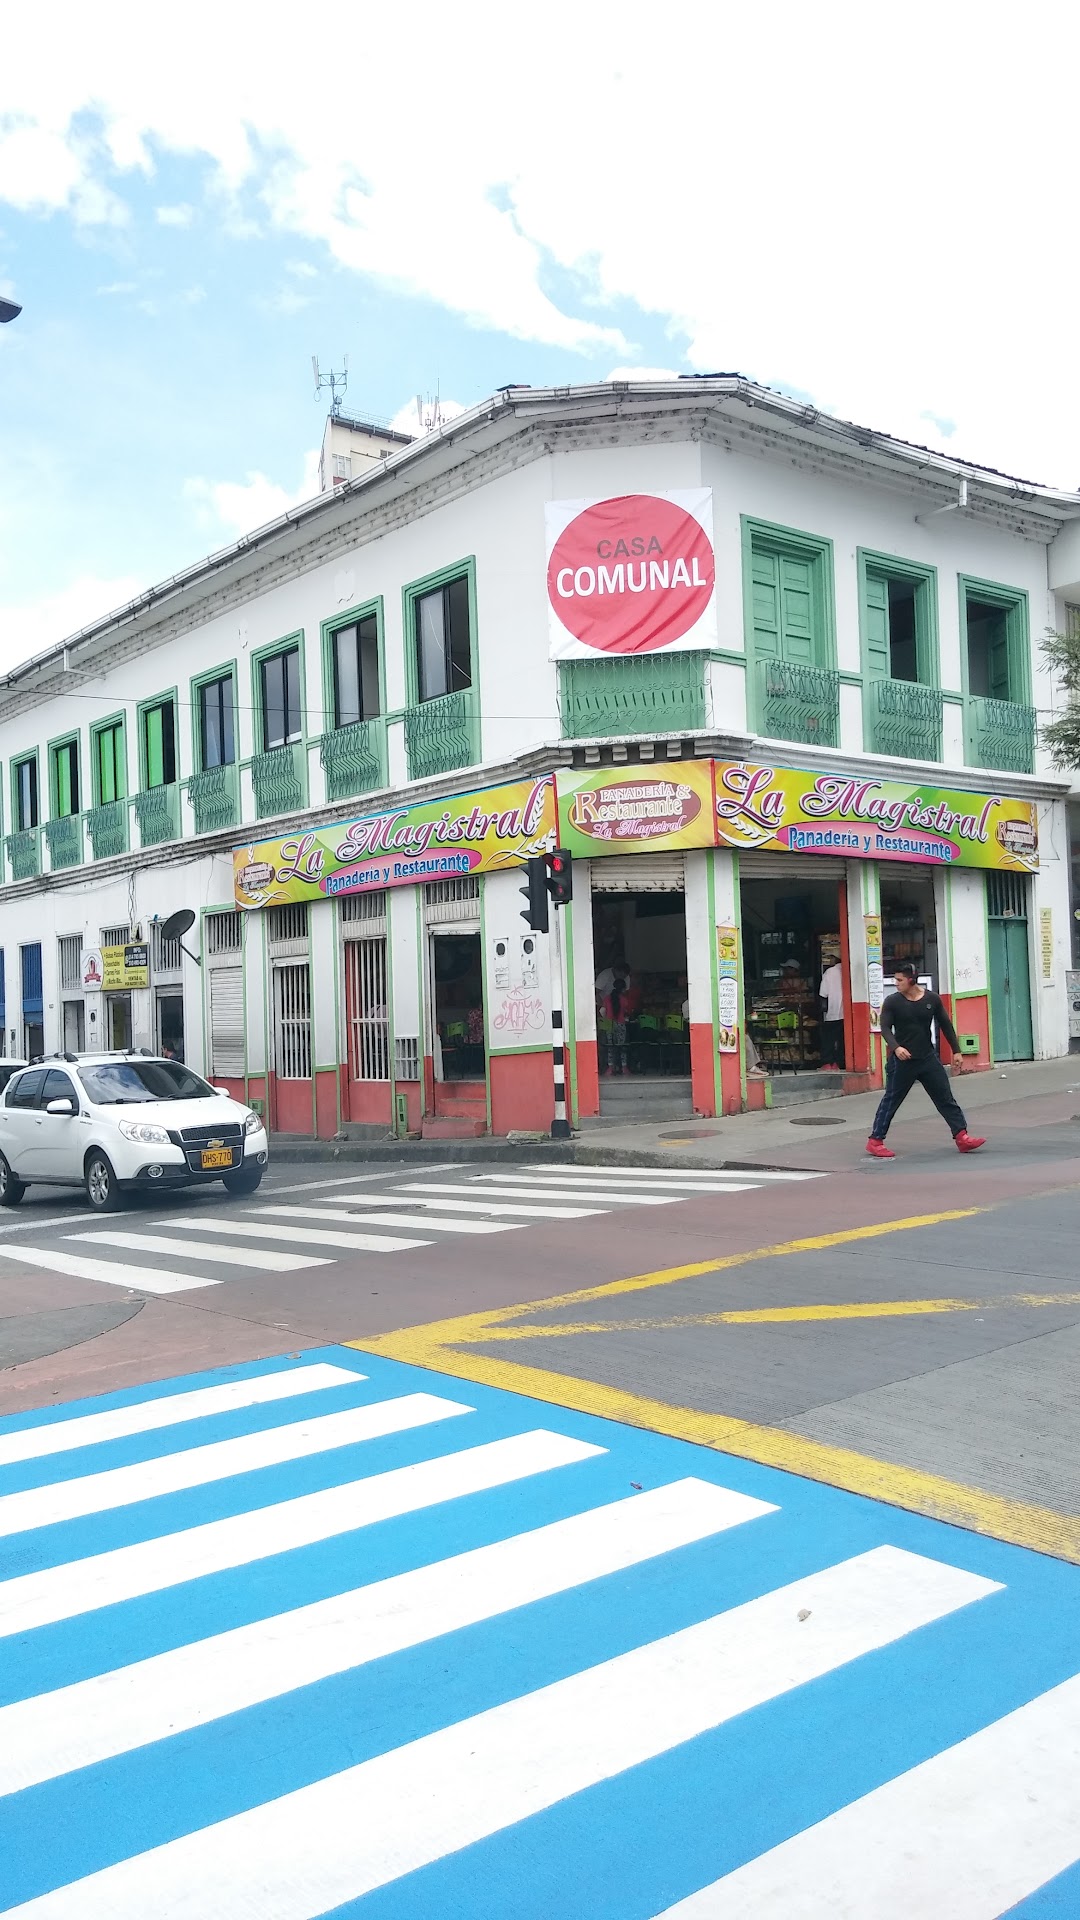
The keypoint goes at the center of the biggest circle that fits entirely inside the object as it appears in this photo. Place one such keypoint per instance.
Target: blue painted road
(336, 1635)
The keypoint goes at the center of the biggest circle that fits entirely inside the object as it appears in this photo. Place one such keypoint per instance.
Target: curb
(295, 1151)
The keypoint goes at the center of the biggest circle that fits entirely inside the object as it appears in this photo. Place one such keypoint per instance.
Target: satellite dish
(177, 924)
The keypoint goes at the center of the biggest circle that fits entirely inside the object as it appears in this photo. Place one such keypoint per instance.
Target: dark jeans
(832, 1043)
(900, 1077)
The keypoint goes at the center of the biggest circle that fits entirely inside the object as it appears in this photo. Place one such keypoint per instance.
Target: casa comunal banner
(401, 846)
(859, 819)
(631, 574)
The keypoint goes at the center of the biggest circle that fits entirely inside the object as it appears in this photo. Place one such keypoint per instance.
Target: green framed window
(355, 677)
(25, 796)
(215, 702)
(788, 587)
(109, 762)
(64, 774)
(158, 744)
(898, 618)
(280, 703)
(440, 630)
(994, 641)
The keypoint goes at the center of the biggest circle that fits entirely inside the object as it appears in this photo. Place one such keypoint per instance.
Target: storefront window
(791, 940)
(642, 1013)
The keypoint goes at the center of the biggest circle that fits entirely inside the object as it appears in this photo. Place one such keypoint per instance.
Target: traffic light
(535, 894)
(560, 877)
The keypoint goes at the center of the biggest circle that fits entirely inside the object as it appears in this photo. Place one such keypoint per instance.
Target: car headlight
(252, 1124)
(142, 1131)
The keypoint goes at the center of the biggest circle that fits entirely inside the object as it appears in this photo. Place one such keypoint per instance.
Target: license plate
(217, 1157)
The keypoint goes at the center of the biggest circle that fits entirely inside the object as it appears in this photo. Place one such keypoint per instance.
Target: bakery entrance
(909, 921)
(794, 978)
(639, 954)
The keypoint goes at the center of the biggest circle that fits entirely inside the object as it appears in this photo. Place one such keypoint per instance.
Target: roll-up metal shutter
(789, 866)
(227, 1054)
(639, 873)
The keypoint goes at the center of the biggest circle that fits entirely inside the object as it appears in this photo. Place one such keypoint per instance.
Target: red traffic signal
(560, 876)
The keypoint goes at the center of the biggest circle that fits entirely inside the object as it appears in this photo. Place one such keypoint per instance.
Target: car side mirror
(65, 1105)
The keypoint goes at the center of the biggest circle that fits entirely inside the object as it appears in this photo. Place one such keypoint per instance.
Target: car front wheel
(101, 1188)
(244, 1180)
(11, 1189)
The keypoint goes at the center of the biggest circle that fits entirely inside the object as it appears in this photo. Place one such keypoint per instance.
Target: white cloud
(302, 269)
(28, 630)
(181, 216)
(239, 506)
(846, 238)
(286, 300)
(118, 286)
(642, 373)
(416, 420)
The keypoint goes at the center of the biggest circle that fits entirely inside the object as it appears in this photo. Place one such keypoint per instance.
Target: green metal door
(1010, 975)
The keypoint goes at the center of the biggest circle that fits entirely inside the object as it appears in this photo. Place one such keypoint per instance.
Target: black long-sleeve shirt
(907, 1023)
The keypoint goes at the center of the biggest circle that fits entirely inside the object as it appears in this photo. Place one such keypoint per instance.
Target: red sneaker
(880, 1151)
(966, 1143)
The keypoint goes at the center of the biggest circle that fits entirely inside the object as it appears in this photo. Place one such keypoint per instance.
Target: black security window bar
(356, 672)
(159, 744)
(217, 736)
(280, 678)
(26, 795)
(66, 779)
(443, 652)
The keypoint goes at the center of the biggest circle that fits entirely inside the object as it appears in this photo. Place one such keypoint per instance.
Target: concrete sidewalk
(1030, 1106)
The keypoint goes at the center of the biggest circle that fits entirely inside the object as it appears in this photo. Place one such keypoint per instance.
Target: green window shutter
(765, 591)
(877, 625)
(155, 748)
(1000, 676)
(64, 773)
(106, 767)
(797, 610)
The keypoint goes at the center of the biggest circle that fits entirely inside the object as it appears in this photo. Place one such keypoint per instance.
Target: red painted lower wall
(971, 1015)
(326, 1104)
(702, 1057)
(369, 1102)
(290, 1105)
(234, 1088)
(522, 1091)
(587, 1078)
(461, 1100)
(731, 1082)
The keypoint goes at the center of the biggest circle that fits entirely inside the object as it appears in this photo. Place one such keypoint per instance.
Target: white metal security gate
(292, 1022)
(366, 1003)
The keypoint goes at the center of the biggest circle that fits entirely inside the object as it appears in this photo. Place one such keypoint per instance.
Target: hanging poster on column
(727, 990)
(875, 972)
(645, 809)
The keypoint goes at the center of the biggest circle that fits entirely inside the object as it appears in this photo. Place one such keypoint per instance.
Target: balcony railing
(354, 759)
(278, 777)
(158, 813)
(108, 829)
(65, 841)
(1001, 735)
(643, 693)
(441, 735)
(24, 853)
(214, 796)
(905, 719)
(799, 703)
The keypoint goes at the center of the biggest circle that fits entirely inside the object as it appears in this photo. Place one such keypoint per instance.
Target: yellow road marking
(438, 1346)
(772, 1316)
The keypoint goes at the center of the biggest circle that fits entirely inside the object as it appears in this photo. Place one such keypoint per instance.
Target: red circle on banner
(631, 575)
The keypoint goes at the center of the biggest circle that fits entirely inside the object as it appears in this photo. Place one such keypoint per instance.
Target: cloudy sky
(873, 207)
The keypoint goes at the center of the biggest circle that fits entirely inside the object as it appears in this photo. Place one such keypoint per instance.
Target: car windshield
(121, 1083)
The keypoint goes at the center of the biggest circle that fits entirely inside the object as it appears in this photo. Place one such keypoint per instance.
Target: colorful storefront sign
(124, 968)
(642, 809)
(633, 574)
(401, 846)
(875, 970)
(856, 818)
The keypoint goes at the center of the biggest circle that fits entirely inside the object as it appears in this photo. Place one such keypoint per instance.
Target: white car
(115, 1121)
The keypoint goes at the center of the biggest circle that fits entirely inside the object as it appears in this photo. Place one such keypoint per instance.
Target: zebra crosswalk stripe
(668, 1176)
(298, 1856)
(308, 1236)
(226, 1256)
(96, 1719)
(198, 1466)
(493, 1192)
(114, 1273)
(624, 1188)
(428, 1220)
(472, 1205)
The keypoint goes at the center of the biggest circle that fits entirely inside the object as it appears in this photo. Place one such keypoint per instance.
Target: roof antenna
(337, 383)
(429, 412)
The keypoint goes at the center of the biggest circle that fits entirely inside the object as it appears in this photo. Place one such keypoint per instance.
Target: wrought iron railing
(107, 826)
(354, 759)
(214, 796)
(278, 779)
(24, 853)
(158, 814)
(799, 703)
(1001, 735)
(65, 840)
(905, 719)
(441, 735)
(642, 693)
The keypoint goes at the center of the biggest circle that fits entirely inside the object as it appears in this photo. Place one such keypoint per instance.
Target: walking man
(906, 1020)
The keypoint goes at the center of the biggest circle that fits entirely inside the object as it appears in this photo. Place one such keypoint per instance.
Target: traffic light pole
(560, 1126)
